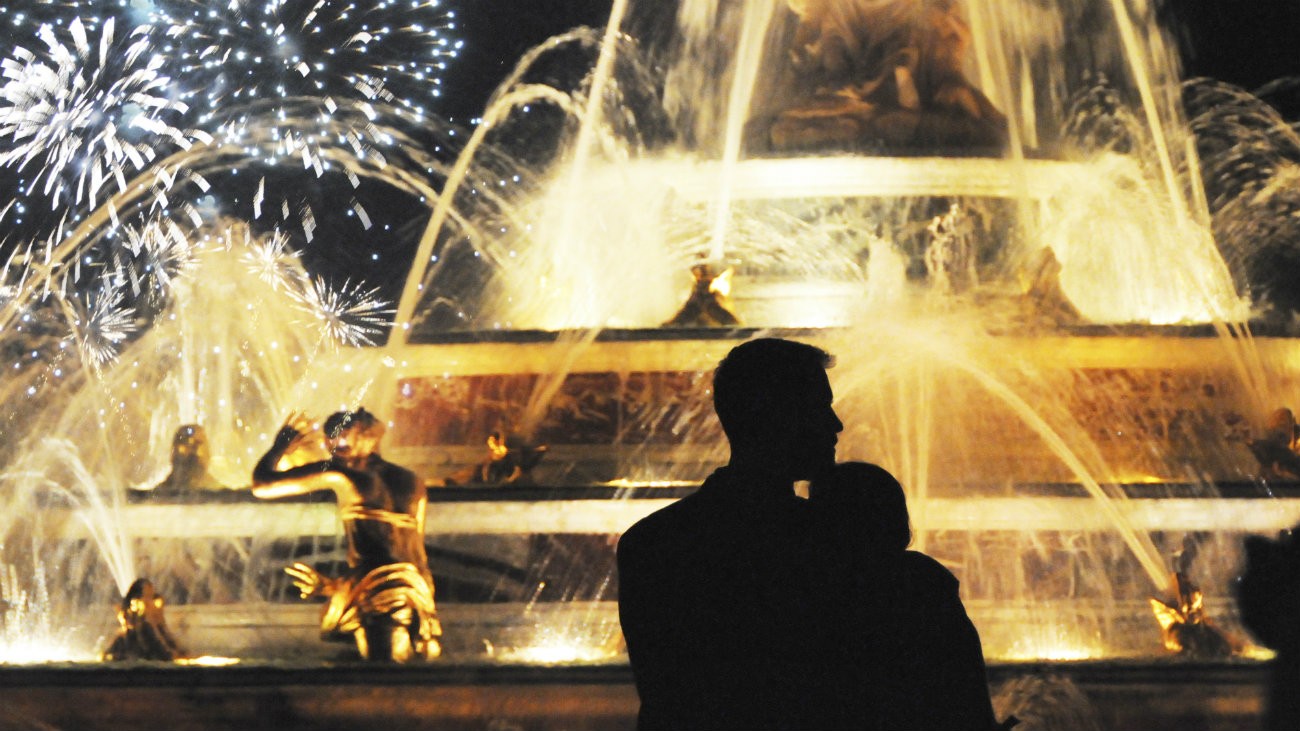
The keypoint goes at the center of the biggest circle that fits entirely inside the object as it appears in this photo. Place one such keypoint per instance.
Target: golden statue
(1185, 627)
(510, 461)
(191, 458)
(708, 304)
(885, 73)
(385, 601)
(142, 633)
(1278, 449)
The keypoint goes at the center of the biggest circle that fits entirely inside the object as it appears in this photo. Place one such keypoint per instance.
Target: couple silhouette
(745, 606)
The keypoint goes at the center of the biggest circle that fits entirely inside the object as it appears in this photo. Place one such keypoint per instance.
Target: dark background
(1244, 42)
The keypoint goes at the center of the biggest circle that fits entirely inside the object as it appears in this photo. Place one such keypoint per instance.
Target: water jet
(1054, 463)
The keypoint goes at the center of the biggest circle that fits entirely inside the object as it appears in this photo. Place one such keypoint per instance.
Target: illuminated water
(1058, 469)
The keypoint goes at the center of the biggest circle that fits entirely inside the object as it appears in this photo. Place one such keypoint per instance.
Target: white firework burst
(152, 256)
(83, 113)
(273, 261)
(248, 50)
(102, 324)
(347, 315)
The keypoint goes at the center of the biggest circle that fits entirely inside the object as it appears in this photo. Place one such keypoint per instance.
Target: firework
(103, 323)
(126, 127)
(82, 112)
(272, 260)
(348, 314)
(243, 51)
(150, 259)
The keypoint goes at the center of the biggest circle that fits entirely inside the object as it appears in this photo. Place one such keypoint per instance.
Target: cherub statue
(707, 305)
(510, 461)
(191, 458)
(143, 633)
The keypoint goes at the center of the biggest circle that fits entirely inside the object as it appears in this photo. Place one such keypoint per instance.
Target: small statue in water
(885, 73)
(385, 601)
(1044, 296)
(1278, 451)
(510, 461)
(143, 633)
(1185, 626)
(707, 305)
(191, 458)
(950, 257)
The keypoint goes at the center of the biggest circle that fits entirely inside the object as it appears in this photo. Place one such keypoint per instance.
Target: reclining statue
(885, 74)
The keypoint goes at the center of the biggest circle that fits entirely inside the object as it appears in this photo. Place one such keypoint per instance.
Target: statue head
(498, 446)
(141, 606)
(190, 446)
(352, 435)
(1281, 425)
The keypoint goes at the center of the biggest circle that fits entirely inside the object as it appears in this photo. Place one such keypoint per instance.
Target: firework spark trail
(85, 112)
(244, 50)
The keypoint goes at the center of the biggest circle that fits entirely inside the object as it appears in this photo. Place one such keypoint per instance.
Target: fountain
(1036, 333)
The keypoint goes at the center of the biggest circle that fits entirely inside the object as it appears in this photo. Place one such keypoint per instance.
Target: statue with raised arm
(385, 600)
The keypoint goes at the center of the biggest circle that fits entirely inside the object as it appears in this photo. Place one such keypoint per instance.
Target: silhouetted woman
(917, 653)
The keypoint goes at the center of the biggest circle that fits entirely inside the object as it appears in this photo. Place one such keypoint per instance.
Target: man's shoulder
(671, 517)
(926, 568)
(671, 527)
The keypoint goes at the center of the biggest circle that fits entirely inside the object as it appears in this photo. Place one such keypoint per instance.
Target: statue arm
(271, 482)
(300, 481)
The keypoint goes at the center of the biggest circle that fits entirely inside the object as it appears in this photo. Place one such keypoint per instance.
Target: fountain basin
(857, 176)
(1156, 696)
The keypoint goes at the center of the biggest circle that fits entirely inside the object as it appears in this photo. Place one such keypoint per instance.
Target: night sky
(1244, 42)
(497, 33)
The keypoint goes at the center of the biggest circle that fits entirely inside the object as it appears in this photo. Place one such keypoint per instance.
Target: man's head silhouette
(774, 401)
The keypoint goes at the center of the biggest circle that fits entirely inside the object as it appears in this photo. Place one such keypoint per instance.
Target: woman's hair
(869, 499)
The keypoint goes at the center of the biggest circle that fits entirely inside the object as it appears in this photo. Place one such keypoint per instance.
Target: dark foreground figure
(385, 601)
(1268, 595)
(720, 594)
(745, 607)
(911, 646)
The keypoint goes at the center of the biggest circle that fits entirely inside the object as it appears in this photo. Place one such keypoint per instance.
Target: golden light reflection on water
(37, 650)
(556, 651)
(1055, 650)
(625, 482)
(208, 661)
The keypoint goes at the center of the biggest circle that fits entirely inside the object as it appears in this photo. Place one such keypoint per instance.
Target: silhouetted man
(720, 595)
